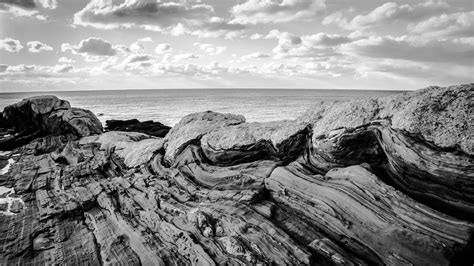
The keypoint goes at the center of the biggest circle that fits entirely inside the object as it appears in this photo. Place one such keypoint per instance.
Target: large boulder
(193, 126)
(51, 115)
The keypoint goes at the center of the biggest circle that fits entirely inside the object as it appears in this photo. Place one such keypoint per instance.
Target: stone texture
(192, 127)
(442, 116)
(47, 115)
(351, 184)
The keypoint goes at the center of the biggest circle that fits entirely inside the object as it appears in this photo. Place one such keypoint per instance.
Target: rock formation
(376, 181)
(151, 128)
(47, 115)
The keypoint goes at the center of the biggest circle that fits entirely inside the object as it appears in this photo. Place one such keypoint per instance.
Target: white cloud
(10, 45)
(273, 11)
(66, 60)
(413, 49)
(163, 48)
(388, 13)
(316, 45)
(146, 39)
(37, 46)
(446, 25)
(210, 48)
(137, 47)
(91, 47)
(254, 56)
(26, 8)
(185, 56)
(174, 17)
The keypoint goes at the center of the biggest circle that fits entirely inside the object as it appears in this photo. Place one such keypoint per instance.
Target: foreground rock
(47, 115)
(346, 185)
(152, 128)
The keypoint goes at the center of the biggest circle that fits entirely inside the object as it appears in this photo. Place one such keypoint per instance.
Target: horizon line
(260, 88)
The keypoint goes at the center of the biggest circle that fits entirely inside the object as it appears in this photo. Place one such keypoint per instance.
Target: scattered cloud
(174, 17)
(26, 8)
(388, 13)
(37, 46)
(254, 56)
(146, 39)
(10, 45)
(91, 47)
(275, 11)
(185, 56)
(459, 24)
(442, 51)
(137, 47)
(163, 48)
(66, 60)
(210, 48)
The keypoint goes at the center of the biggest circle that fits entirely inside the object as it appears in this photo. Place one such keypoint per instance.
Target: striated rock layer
(369, 182)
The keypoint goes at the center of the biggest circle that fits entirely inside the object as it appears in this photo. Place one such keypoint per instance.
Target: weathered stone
(192, 127)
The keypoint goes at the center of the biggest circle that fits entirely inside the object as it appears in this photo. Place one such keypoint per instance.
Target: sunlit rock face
(377, 181)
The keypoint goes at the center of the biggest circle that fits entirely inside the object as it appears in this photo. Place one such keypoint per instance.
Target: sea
(168, 106)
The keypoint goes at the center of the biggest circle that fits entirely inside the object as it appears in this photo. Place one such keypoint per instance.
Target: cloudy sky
(151, 44)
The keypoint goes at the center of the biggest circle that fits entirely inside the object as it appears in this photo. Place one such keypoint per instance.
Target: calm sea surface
(169, 106)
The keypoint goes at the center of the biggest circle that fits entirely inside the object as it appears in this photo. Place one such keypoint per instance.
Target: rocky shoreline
(365, 182)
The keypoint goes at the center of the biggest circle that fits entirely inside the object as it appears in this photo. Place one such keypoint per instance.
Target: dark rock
(47, 115)
(152, 128)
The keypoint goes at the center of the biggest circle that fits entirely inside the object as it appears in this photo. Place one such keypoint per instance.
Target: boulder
(51, 115)
(192, 127)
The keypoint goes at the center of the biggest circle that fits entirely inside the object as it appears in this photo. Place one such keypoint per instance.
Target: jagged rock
(416, 140)
(384, 223)
(442, 116)
(352, 184)
(135, 148)
(44, 115)
(192, 127)
(152, 128)
(280, 140)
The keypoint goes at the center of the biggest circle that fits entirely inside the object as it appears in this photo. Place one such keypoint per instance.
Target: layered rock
(349, 184)
(421, 142)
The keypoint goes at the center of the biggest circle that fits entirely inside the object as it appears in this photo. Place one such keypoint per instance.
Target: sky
(59, 45)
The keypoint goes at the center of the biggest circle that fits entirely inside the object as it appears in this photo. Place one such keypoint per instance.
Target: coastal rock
(134, 148)
(441, 116)
(280, 140)
(372, 217)
(44, 115)
(152, 128)
(347, 185)
(415, 140)
(192, 127)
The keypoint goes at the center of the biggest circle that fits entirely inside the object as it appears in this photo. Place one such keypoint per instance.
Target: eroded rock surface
(350, 184)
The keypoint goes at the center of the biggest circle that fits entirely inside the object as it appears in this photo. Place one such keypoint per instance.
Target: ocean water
(169, 106)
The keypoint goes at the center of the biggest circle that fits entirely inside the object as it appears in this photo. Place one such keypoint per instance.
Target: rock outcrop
(151, 128)
(371, 182)
(47, 115)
